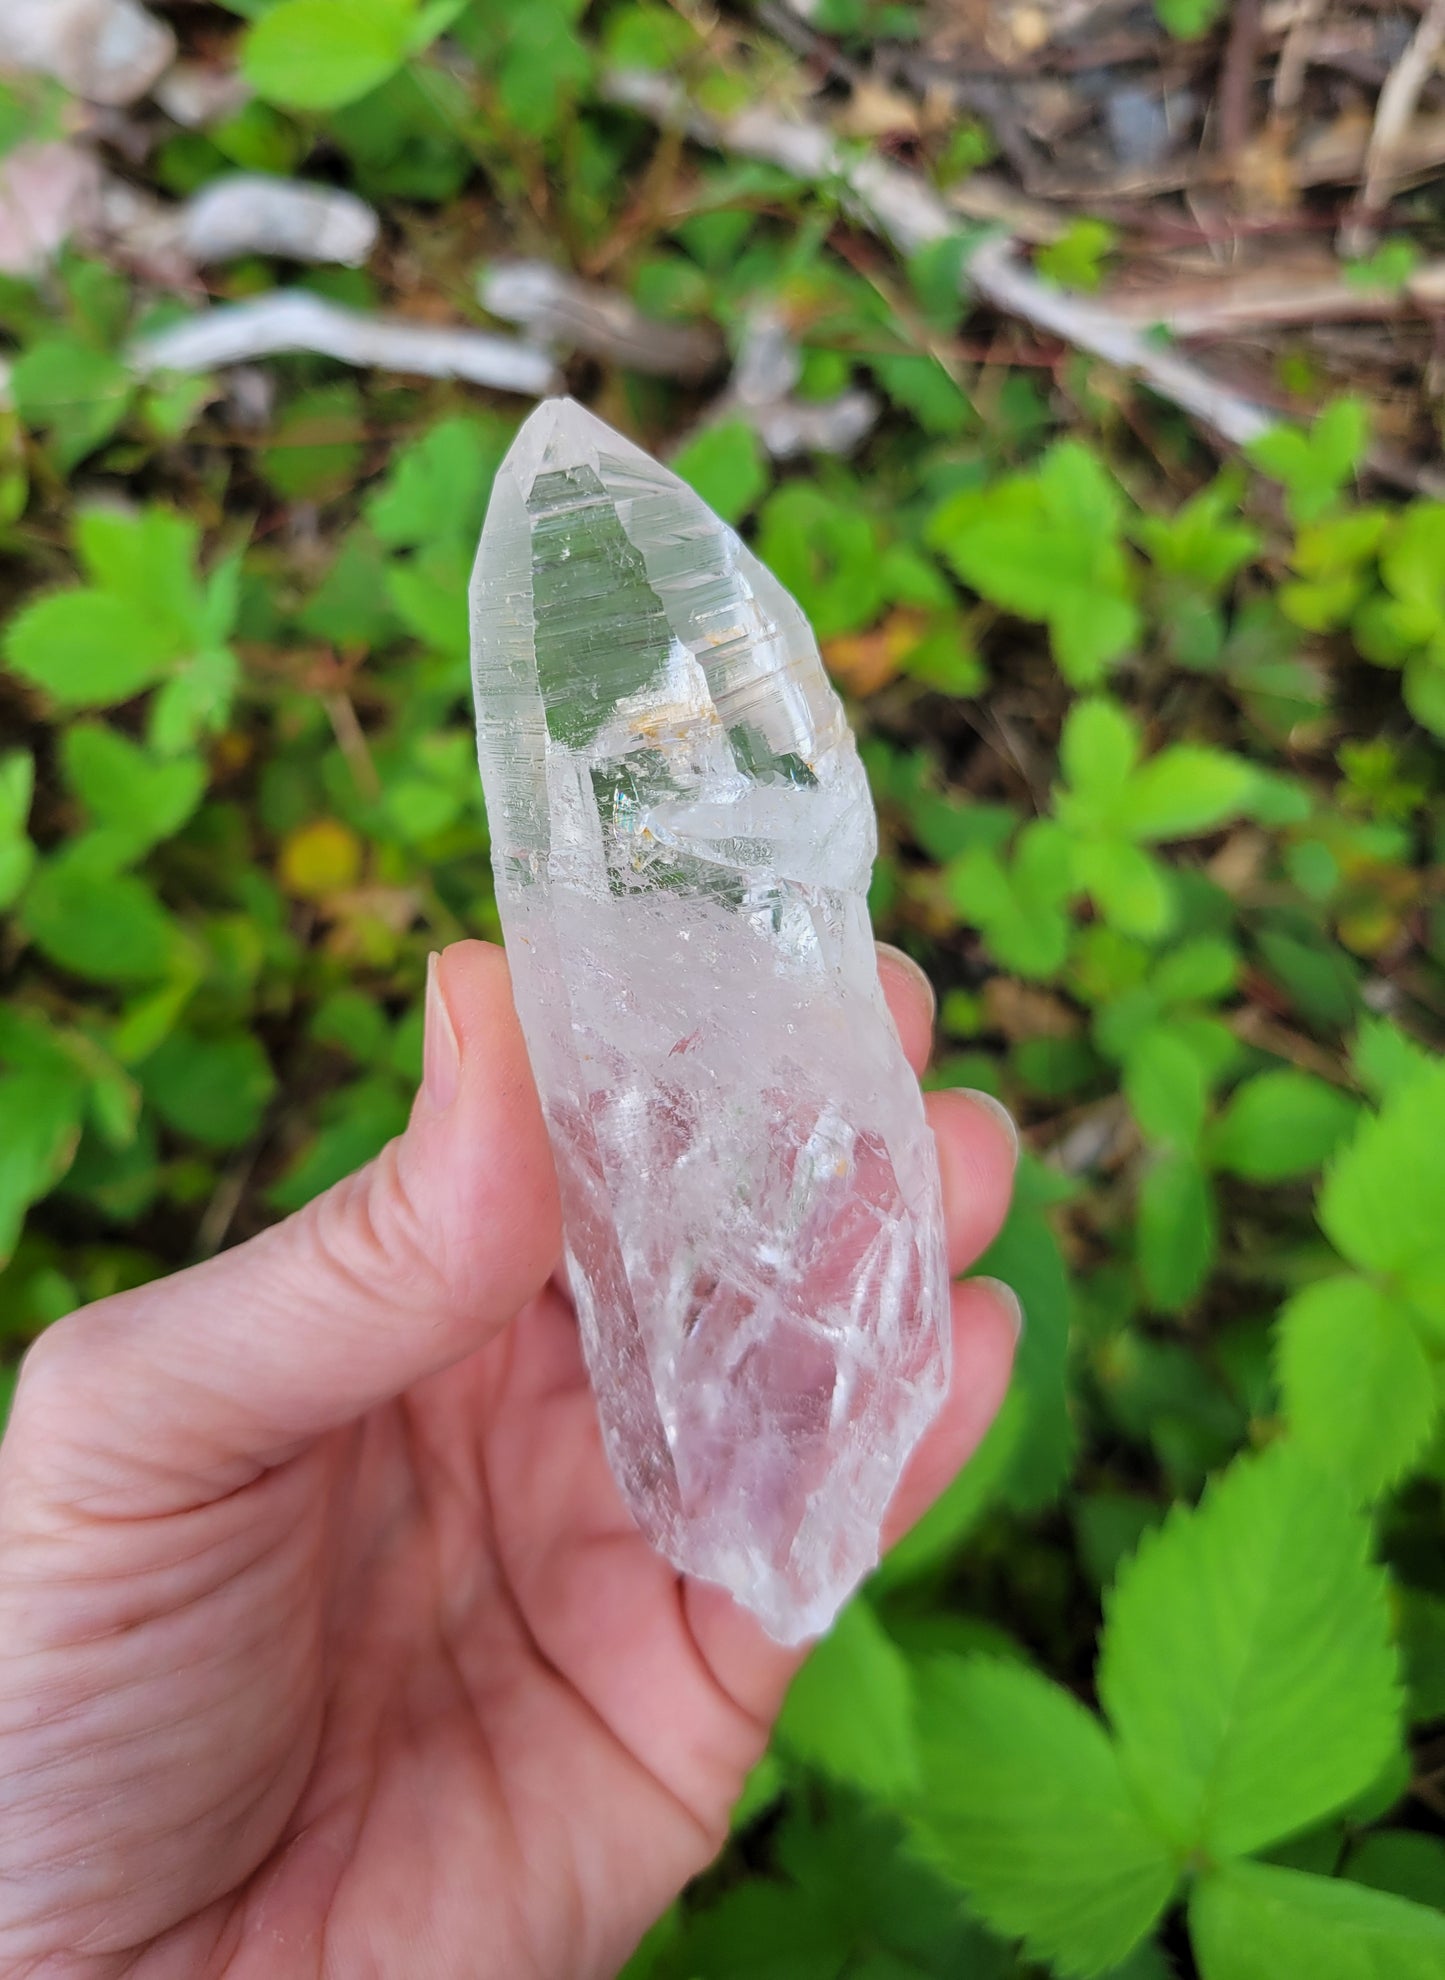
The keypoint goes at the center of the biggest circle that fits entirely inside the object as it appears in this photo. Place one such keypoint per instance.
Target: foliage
(1156, 750)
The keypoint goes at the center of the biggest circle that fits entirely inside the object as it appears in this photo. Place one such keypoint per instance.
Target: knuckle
(371, 1233)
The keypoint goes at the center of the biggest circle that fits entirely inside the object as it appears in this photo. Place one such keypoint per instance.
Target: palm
(468, 1733)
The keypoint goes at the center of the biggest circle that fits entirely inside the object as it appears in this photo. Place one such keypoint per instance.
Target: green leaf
(1026, 1805)
(214, 1090)
(317, 449)
(1381, 1201)
(140, 800)
(850, 1710)
(40, 1116)
(1165, 1086)
(17, 855)
(87, 649)
(1358, 1389)
(1182, 792)
(76, 393)
(321, 54)
(1403, 1862)
(1048, 546)
(149, 560)
(1098, 749)
(1133, 891)
(1281, 1124)
(1020, 908)
(1026, 1255)
(1246, 1665)
(1385, 1057)
(1315, 466)
(1253, 1921)
(438, 485)
(724, 463)
(1178, 1229)
(1186, 20)
(108, 927)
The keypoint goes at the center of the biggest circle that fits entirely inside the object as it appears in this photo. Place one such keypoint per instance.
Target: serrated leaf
(40, 1116)
(1357, 1385)
(1247, 1666)
(1026, 1256)
(78, 394)
(1132, 890)
(125, 789)
(213, 1090)
(1099, 748)
(1386, 1058)
(1165, 1086)
(438, 485)
(1184, 791)
(1254, 1921)
(1026, 1805)
(108, 927)
(1281, 1124)
(1381, 1205)
(87, 649)
(321, 54)
(149, 559)
(1047, 546)
(1403, 1862)
(850, 1710)
(724, 463)
(1178, 1229)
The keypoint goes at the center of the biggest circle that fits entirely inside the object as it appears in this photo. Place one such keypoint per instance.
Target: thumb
(196, 1381)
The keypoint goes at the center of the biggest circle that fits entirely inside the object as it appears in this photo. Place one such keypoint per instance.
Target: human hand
(326, 1644)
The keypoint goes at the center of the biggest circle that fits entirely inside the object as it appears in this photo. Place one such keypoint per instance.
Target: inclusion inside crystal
(683, 837)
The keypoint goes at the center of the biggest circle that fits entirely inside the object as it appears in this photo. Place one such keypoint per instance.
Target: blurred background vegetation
(1153, 720)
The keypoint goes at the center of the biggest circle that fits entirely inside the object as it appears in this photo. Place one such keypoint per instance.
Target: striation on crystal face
(683, 836)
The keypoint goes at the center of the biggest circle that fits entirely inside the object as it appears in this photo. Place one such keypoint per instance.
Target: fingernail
(441, 1055)
(905, 963)
(1000, 1113)
(1008, 1299)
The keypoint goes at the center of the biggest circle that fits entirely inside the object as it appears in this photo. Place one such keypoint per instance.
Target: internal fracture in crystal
(683, 837)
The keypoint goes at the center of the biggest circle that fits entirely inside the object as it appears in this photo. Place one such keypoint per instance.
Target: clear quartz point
(683, 836)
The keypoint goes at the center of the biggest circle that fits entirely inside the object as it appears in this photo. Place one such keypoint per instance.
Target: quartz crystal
(683, 836)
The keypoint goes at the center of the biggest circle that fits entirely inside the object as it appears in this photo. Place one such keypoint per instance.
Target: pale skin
(326, 1645)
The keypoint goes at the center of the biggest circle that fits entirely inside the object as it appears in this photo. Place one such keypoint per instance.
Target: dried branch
(911, 214)
(1294, 57)
(583, 316)
(1236, 80)
(1314, 292)
(292, 320)
(1394, 114)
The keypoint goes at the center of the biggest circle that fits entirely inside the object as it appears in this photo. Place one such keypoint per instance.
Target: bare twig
(1394, 114)
(109, 51)
(1236, 79)
(256, 213)
(1314, 292)
(1294, 57)
(911, 214)
(583, 316)
(293, 320)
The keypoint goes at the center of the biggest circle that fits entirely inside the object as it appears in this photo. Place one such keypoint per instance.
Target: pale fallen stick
(293, 320)
(254, 213)
(790, 427)
(1266, 297)
(912, 215)
(582, 316)
(1394, 114)
(108, 51)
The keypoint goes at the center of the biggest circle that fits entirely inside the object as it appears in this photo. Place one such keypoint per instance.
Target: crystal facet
(683, 836)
